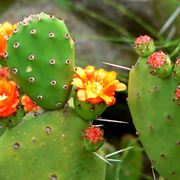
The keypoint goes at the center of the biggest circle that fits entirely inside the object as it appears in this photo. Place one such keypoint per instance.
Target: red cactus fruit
(143, 40)
(93, 134)
(144, 45)
(177, 93)
(157, 59)
(92, 138)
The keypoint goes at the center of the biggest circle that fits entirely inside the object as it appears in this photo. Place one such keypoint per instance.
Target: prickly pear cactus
(41, 59)
(154, 99)
(50, 144)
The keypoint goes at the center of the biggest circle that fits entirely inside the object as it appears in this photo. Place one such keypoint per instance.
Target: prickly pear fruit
(144, 45)
(156, 116)
(92, 138)
(88, 111)
(41, 59)
(48, 146)
(160, 64)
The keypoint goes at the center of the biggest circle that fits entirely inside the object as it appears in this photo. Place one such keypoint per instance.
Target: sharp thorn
(113, 121)
(154, 176)
(117, 152)
(115, 160)
(118, 66)
(102, 158)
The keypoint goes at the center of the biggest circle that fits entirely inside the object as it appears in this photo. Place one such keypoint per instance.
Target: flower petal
(81, 94)
(77, 82)
(81, 73)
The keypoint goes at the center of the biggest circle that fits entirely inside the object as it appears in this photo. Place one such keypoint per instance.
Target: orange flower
(4, 72)
(96, 86)
(28, 104)
(6, 30)
(9, 98)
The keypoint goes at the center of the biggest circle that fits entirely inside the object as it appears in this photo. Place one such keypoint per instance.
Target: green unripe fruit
(41, 59)
(88, 111)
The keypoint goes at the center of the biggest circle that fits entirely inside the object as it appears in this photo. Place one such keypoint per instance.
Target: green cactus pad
(156, 117)
(41, 59)
(48, 147)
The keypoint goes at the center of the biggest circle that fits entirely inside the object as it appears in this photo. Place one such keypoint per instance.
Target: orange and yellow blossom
(28, 104)
(4, 73)
(6, 29)
(9, 98)
(96, 86)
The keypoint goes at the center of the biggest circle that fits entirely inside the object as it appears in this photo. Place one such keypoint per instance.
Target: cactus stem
(118, 66)
(119, 151)
(113, 121)
(102, 158)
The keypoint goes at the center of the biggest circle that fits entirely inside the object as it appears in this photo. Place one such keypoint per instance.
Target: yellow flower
(96, 86)
(6, 29)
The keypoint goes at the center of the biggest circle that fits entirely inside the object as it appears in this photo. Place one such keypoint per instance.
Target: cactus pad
(41, 59)
(156, 114)
(48, 147)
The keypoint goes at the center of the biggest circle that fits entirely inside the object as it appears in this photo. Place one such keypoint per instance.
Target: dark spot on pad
(16, 146)
(53, 177)
(48, 130)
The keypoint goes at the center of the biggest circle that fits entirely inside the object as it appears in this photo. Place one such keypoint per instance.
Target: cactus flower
(9, 98)
(96, 86)
(6, 30)
(4, 73)
(28, 104)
